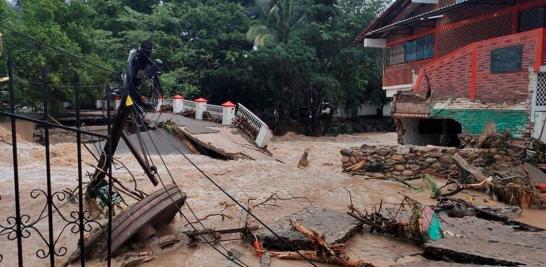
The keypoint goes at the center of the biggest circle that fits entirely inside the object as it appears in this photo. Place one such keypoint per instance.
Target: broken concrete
(139, 220)
(474, 240)
(337, 227)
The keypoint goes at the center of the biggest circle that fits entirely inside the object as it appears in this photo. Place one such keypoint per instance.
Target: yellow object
(129, 101)
(4, 79)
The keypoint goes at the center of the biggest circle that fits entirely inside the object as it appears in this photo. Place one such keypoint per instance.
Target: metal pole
(80, 182)
(15, 165)
(51, 244)
(109, 166)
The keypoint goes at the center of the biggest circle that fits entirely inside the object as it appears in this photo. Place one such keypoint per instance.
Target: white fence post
(264, 136)
(200, 107)
(228, 113)
(178, 104)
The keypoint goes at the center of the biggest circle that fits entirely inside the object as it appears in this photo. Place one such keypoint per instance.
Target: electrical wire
(241, 205)
(233, 259)
(58, 49)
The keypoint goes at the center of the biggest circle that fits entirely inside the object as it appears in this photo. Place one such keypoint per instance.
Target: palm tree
(280, 17)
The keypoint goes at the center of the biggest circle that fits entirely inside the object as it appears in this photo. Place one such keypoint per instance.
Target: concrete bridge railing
(226, 113)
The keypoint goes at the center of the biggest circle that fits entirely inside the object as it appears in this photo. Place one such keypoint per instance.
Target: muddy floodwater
(321, 185)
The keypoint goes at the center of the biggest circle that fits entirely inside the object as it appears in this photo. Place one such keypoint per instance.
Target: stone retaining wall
(408, 160)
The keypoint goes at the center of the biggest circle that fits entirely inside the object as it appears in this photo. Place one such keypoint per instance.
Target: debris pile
(499, 170)
(455, 231)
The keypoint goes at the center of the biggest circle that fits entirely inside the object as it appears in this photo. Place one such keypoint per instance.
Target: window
(411, 51)
(419, 49)
(395, 55)
(531, 19)
(507, 59)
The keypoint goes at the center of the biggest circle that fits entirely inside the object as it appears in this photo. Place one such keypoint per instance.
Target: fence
(45, 241)
(261, 131)
(188, 105)
(215, 111)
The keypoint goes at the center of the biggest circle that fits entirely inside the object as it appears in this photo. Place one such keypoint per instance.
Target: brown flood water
(322, 184)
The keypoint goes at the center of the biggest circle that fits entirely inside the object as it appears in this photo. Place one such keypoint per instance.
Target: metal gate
(37, 237)
(539, 94)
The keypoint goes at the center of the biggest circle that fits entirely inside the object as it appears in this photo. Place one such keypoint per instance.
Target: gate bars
(23, 226)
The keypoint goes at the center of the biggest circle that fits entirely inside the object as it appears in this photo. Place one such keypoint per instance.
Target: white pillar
(118, 102)
(264, 136)
(98, 104)
(200, 107)
(159, 104)
(228, 113)
(178, 104)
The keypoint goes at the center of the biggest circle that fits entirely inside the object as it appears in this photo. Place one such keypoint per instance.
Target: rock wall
(408, 160)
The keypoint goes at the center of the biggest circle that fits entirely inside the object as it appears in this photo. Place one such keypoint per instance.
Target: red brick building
(453, 66)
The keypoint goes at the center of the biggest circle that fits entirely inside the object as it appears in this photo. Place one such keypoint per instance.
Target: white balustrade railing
(225, 114)
(167, 102)
(189, 105)
(254, 121)
(215, 111)
(264, 134)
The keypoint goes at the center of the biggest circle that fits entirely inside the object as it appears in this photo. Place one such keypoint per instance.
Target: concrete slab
(191, 125)
(337, 227)
(480, 241)
(224, 140)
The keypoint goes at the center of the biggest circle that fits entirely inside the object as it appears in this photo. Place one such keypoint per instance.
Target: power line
(135, 113)
(239, 204)
(58, 49)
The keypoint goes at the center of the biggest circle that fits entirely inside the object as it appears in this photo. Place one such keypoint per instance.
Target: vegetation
(289, 60)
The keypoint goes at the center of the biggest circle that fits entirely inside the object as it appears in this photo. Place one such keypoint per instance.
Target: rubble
(496, 170)
(139, 220)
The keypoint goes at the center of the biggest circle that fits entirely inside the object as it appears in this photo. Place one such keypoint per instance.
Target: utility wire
(238, 262)
(241, 205)
(58, 49)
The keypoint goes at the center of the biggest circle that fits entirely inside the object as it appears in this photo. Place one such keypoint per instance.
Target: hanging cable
(241, 205)
(234, 260)
(58, 49)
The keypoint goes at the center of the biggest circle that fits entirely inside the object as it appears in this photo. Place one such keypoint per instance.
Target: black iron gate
(24, 226)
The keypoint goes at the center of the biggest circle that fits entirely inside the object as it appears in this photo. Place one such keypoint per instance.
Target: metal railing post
(15, 165)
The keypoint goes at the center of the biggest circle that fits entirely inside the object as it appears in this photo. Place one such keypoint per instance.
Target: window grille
(395, 55)
(452, 39)
(540, 94)
(419, 49)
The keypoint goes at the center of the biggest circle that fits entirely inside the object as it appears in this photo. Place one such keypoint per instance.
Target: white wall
(365, 109)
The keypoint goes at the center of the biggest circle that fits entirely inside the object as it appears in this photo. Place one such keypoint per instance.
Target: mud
(322, 183)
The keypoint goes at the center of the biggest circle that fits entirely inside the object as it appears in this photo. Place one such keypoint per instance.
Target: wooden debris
(312, 255)
(167, 241)
(489, 130)
(304, 160)
(134, 259)
(318, 239)
(194, 235)
(463, 164)
(323, 253)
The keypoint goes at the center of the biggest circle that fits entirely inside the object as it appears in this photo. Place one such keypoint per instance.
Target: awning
(431, 16)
